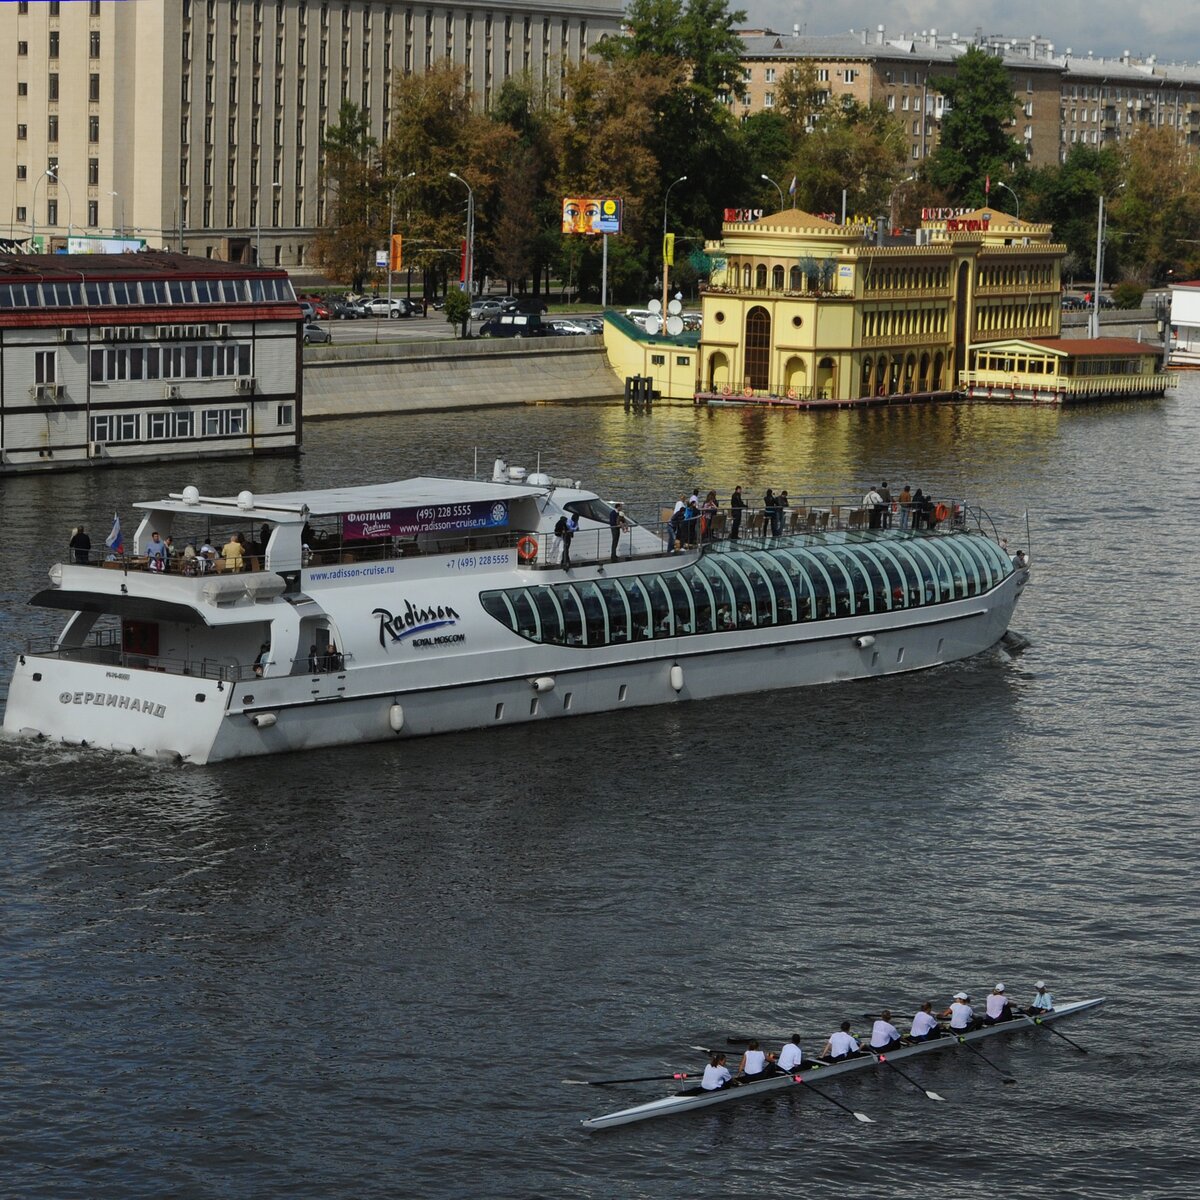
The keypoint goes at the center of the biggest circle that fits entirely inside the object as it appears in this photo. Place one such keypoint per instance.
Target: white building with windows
(198, 124)
(142, 357)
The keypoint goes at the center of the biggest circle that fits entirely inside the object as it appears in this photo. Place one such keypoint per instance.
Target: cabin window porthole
(199, 697)
(719, 317)
(500, 712)
(797, 322)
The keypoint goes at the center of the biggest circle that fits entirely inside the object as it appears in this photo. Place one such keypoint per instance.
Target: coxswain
(716, 1074)
(998, 1008)
(754, 1062)
(791, 1056)
(841, 1045)
(884, 1035)
(961, 1014)
(924, 1026)
(1043, 1002)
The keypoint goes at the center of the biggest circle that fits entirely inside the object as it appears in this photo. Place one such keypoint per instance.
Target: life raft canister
(527, 549)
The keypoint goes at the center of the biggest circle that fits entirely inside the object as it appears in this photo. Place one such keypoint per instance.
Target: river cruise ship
(394, 610)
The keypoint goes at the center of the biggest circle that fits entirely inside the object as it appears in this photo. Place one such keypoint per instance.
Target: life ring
(727, 390)
(895, 506)
(527, 549)
(791, 393)
(748, 392)
(941, 512)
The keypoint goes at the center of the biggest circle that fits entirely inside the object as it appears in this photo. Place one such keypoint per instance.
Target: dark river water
(365, 973)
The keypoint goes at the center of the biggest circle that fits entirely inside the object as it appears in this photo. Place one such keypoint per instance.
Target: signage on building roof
(973, 226)
(98, 245)
(743, 214)
(943, 214)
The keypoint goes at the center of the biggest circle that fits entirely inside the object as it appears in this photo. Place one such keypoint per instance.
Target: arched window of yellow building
(760, 277)
(796, 280)
(777, 277)
(758, 346)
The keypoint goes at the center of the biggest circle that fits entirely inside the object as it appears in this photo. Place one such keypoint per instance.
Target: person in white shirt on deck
(884, 1035)
(961, 1014)
(998, 1008)
(1043, 1002)
(791, 1056)
(841, 1045)
(925, 1026)
(716, 1074)
(753, 1064)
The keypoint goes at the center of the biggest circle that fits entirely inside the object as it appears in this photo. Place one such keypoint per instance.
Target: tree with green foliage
(975, 141)
(458, 309)
(353, 178)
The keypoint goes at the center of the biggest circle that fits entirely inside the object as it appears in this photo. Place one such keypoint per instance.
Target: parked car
(571, 328)
(1072, 303)
(314, 333)
(310, 313)
(341, 309)
(481, 310)
(529, 304)
(380, 306)
(515, 325)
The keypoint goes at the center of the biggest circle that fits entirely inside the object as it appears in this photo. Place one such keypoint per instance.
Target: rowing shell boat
(691, 1098)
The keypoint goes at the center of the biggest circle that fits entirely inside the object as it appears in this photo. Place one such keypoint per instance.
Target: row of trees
(661, 102)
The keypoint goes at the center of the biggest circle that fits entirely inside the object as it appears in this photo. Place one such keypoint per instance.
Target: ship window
(662, 607)
(618, 610)
(572, 616)
(550, 614)
(681, 603)
(527, 624)
(640, 615)
(592, 510)
(595, 615)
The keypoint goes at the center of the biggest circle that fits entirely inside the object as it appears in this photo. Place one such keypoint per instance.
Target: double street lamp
(392, 234)
(1016, 198)
(776, 187)
(666, 198)
(469, 265)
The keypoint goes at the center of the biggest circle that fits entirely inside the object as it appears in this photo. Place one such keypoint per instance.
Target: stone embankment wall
(358, 380)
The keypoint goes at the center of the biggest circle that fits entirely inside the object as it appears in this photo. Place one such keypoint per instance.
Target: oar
(858, 1116)
(898, 1016)
(883, 1058)
(631, 1079)
(1041, 1024)
(962, 1041)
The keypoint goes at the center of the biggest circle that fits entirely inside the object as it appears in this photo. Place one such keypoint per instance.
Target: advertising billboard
(99, 245)
(591, 214)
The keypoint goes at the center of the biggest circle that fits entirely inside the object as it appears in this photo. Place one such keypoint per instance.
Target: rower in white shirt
(791, 1056)
(961, 1014)
(754, 1062)
(1043, 1002)
(924, 1026)
(884, 1035)
(841, 1045)
(998, 1008)
(716, 1074)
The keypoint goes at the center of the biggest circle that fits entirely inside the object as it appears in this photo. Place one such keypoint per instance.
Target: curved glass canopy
(802, 579)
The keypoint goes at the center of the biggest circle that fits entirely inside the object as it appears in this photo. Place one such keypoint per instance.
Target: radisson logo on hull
(411, 623)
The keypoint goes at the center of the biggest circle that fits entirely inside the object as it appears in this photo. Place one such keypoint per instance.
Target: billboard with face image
(591, 214)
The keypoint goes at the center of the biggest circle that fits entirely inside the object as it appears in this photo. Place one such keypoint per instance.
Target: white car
(569, 327)
(380, 307)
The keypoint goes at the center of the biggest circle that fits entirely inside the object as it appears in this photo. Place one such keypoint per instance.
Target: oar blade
(934, 1095)
(861, 1116)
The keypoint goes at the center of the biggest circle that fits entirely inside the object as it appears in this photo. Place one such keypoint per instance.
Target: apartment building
(197, 124)
(1063, 99)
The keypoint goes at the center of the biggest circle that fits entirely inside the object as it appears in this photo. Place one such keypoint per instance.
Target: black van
(515, 324)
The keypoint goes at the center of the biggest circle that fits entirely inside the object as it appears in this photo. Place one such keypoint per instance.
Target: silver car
(314, 333)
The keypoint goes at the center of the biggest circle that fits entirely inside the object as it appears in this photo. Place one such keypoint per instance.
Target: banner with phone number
(411, 522)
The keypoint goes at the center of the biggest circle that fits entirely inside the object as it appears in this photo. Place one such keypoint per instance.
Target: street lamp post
(392, 234)
(469, 265)
(1016, 198)
(1094, 317)
(666, 198)
(117, 196)
(776, 187)
(51, 174)
(33, 205)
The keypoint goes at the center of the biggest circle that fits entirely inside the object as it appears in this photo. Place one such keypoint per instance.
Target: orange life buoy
(895, 506)
(527, 548)
(748, 392)
(727, 390)
(791, 393)
(941, 512)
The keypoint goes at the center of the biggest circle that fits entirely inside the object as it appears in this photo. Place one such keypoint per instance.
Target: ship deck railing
(815, 518)
(104, 647)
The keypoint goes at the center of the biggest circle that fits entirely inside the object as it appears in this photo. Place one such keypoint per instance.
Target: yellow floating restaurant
(800, 311)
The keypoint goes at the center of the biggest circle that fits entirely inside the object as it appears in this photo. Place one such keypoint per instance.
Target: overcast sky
(1107, 27)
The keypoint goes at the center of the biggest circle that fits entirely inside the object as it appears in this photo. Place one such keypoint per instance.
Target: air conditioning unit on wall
(247, 383)
(95, 449)
(171, 391)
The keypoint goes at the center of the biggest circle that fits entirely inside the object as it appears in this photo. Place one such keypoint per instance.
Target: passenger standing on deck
(886, 496)
(231, 552)
(841, 1045)
(791, 1056)
(998, 1008)
(873, 503)
(753, 1064)
(156, 553)
(565, 529)
(905, 507)
(691, 523)
(618, 525)
(884, 1035)
(737, 505)
(918, 508)
(782, 504)
(1043, 1002)
(708, 515)
(769, 513)
(716, 1074)
(924, 1025)
(81, 545)
(961, 1014)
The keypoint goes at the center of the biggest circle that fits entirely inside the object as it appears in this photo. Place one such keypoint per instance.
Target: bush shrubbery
(1128, 295)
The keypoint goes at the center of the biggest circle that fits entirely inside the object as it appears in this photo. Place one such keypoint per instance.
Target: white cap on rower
(1041, 983)
(961, 996)
(999, 987)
